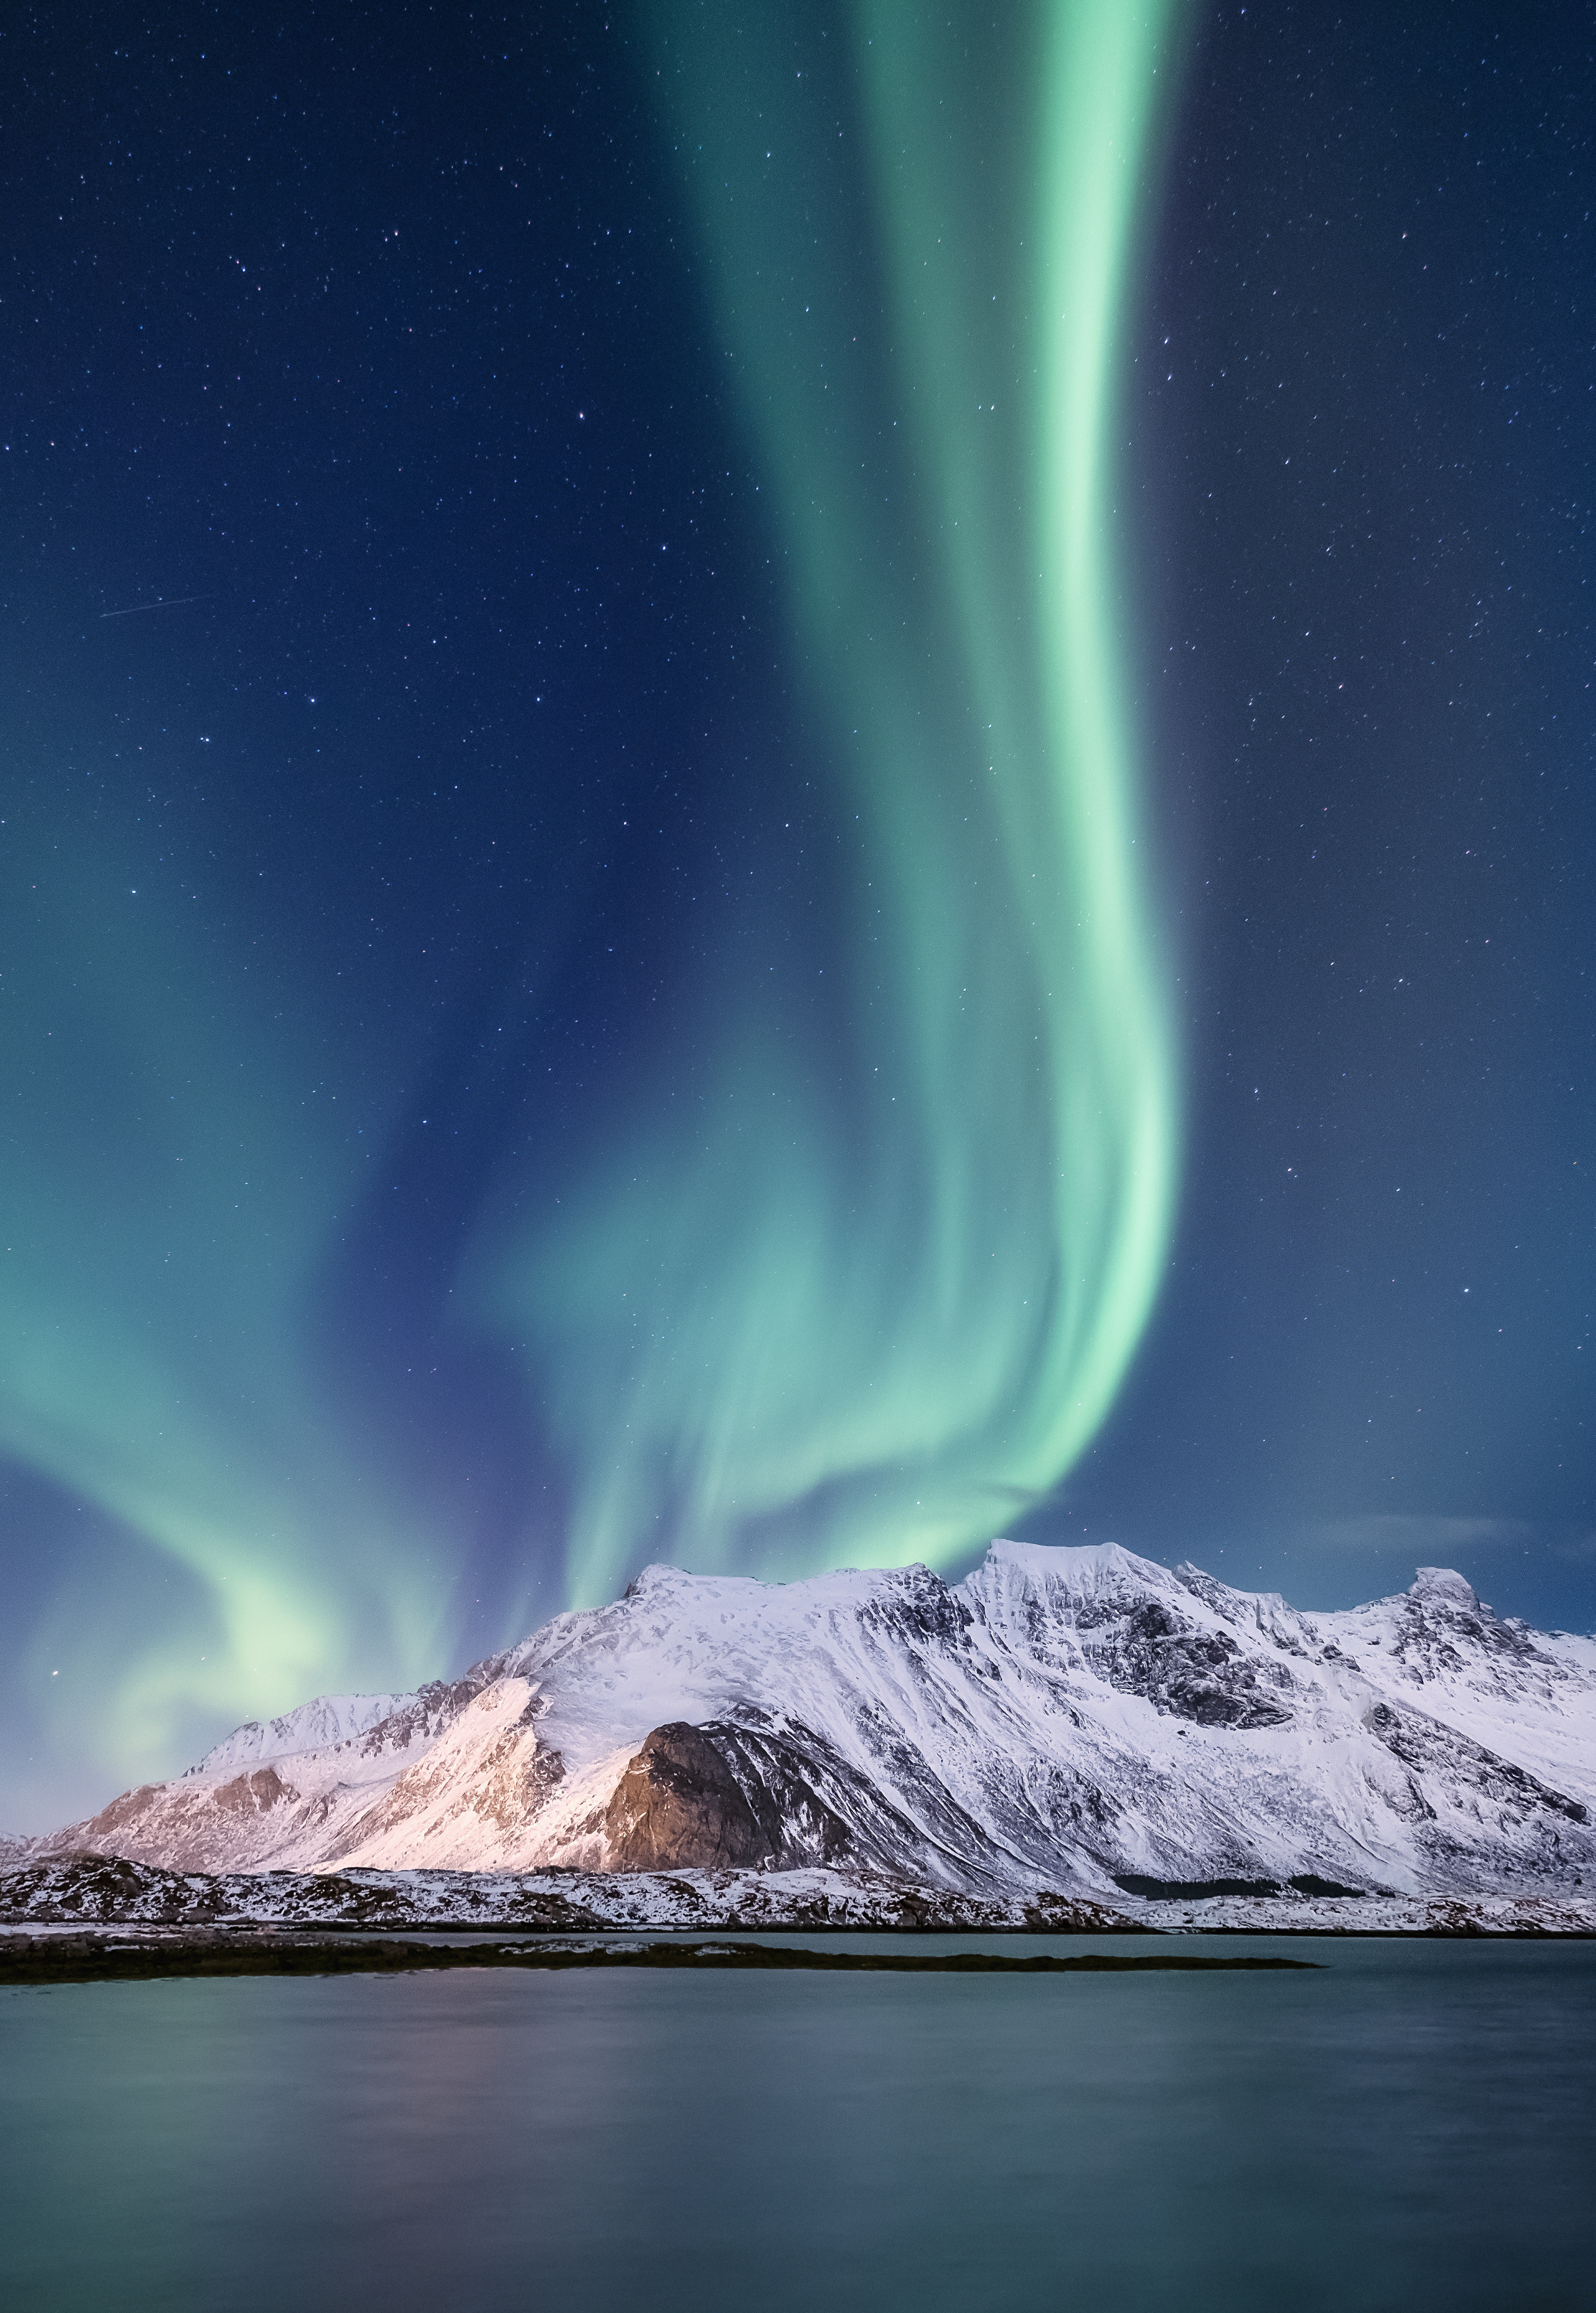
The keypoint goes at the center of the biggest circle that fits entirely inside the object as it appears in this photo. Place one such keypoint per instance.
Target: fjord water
(1415, 2126)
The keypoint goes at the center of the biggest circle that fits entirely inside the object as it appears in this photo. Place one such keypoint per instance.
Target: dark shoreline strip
(59, 1959)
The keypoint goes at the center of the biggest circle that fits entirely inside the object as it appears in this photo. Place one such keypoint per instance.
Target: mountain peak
(1445, 1586)
(1076, 1567)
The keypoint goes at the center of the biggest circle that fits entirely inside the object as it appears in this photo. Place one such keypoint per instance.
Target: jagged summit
(1072, 1718)
(1440, 1582)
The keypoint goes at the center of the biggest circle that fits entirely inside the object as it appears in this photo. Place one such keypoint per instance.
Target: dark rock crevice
(1192, 1672)
(1430, 1748)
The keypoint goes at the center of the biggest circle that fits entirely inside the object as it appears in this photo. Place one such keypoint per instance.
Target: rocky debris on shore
(107, 1891)
(105, 1894)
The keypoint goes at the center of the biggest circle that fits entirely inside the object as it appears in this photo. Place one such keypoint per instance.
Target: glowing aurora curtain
(871, 1290)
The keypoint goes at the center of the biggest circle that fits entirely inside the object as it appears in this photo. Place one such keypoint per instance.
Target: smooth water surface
(1414, 2127)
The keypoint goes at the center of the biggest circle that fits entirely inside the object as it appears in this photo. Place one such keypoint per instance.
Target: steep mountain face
(1069, 1719)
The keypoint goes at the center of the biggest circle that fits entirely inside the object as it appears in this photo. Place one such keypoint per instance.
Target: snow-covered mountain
(1080, 1719)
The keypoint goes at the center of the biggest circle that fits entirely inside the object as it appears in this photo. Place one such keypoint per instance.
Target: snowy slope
(319, 1726)
(1061, 1718)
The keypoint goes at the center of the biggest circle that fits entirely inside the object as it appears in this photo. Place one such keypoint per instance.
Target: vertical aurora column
(886, 1285)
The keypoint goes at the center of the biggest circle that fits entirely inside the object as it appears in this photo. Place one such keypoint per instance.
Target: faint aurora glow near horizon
(169, 1192)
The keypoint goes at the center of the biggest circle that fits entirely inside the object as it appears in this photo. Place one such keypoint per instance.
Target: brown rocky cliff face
(184, 1827)
(677, 1808)
(252, 1794)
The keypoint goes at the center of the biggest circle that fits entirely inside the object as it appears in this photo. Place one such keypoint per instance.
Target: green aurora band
(864, 1284)
(175, 1170)
(863, 1305)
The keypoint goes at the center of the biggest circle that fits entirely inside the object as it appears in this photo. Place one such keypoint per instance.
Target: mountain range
(1077, 1719)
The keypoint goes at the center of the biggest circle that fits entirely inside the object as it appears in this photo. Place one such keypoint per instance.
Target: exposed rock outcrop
(678, 1808)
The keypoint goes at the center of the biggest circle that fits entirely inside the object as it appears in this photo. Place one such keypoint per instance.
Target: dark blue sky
(479, 764)
(1368, 460)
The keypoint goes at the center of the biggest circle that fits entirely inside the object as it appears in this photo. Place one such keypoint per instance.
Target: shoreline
(87, 1958)
(102, 1895)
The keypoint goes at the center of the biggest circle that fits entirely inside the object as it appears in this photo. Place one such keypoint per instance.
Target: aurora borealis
(785, 1339)
(779, 787)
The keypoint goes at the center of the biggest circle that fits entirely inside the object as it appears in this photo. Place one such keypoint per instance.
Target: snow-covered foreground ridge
(1077, 1719)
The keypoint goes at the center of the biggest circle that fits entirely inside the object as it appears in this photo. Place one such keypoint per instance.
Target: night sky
(779, 787)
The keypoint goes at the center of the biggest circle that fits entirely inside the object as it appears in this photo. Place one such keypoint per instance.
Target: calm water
(1414, 2128)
